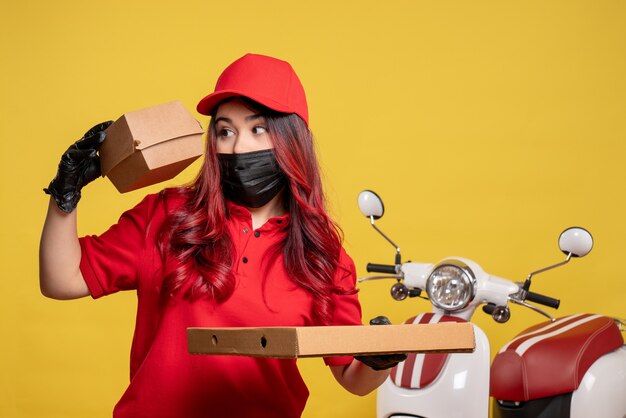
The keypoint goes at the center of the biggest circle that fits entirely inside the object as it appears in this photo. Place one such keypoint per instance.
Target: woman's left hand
(384, 361)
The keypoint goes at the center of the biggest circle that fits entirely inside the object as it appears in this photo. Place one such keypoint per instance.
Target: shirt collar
(242, 213)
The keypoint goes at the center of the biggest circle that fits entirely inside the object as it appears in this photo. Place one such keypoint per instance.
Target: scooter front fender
(461, 389)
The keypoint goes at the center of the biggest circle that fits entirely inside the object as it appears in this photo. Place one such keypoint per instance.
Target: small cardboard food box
(293, 342)
(151, 145)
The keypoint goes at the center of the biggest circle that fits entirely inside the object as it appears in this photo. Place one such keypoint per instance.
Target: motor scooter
(568, 367)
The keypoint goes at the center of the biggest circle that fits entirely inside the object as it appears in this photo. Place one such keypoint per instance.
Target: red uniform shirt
(165, 380)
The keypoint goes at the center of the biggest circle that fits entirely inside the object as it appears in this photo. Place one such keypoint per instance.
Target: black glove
(385, 361)
(79, 165)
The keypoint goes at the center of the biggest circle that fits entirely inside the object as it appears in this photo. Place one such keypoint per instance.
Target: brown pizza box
(293, 342)
(150, 145)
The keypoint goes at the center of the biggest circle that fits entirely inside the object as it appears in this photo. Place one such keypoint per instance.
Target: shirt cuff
(338, 361)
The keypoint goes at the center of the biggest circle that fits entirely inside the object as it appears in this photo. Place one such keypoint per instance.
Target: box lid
(140, 129)
(293, 342)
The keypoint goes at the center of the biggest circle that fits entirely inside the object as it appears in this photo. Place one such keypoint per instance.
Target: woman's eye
(259, 130)
(223, 133)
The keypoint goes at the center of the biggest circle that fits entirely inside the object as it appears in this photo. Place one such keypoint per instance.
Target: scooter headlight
(451, 286)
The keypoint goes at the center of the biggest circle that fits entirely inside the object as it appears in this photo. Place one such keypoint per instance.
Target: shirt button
(245, 259)
(245, 230)
(257, 234)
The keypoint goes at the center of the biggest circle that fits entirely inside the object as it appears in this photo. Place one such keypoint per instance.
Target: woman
(249, 243)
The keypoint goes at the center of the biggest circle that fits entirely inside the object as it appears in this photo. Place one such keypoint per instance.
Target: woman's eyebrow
(223, 119)
(248, 118)
(254, 117)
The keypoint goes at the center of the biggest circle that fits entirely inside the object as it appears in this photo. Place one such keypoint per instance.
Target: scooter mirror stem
(526, 286)
(398, 256)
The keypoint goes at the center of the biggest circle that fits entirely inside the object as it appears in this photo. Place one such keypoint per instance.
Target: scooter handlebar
(381, 268)
(543, 300)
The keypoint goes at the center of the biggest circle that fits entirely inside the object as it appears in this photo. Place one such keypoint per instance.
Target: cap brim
(207, 105)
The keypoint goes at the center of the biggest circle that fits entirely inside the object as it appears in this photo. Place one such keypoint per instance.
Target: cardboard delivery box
(293, 342)
(150, 145)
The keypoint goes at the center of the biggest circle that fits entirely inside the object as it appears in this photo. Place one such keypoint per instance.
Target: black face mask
(251, 179)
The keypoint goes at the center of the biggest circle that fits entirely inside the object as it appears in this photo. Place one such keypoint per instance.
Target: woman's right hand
(79, 166)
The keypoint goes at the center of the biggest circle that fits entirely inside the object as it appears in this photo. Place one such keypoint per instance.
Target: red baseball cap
(266, 80)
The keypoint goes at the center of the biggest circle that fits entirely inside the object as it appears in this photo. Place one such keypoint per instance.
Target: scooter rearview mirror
(576, 241)
(370, 204)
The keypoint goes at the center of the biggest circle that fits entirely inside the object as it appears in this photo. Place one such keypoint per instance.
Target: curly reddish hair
(197, 236)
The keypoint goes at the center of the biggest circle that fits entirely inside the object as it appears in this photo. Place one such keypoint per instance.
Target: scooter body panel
(461, 390)
(600, 394)
(602, 391)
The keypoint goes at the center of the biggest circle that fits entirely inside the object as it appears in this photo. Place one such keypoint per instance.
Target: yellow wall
(487, 127)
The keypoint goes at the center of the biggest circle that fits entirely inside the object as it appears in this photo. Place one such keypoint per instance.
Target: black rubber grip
(381, 268)
(489, 308)
(543, 300)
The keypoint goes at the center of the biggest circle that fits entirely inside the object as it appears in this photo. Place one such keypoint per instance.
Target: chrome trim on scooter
(467, 272)
(534, 308)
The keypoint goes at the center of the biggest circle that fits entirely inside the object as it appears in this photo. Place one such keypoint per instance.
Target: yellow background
(486, 126)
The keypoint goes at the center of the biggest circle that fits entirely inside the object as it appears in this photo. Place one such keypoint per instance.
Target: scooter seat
(420, 370)
(551, 358)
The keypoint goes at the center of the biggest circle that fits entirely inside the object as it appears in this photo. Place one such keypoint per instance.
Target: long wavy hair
(197, 236)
